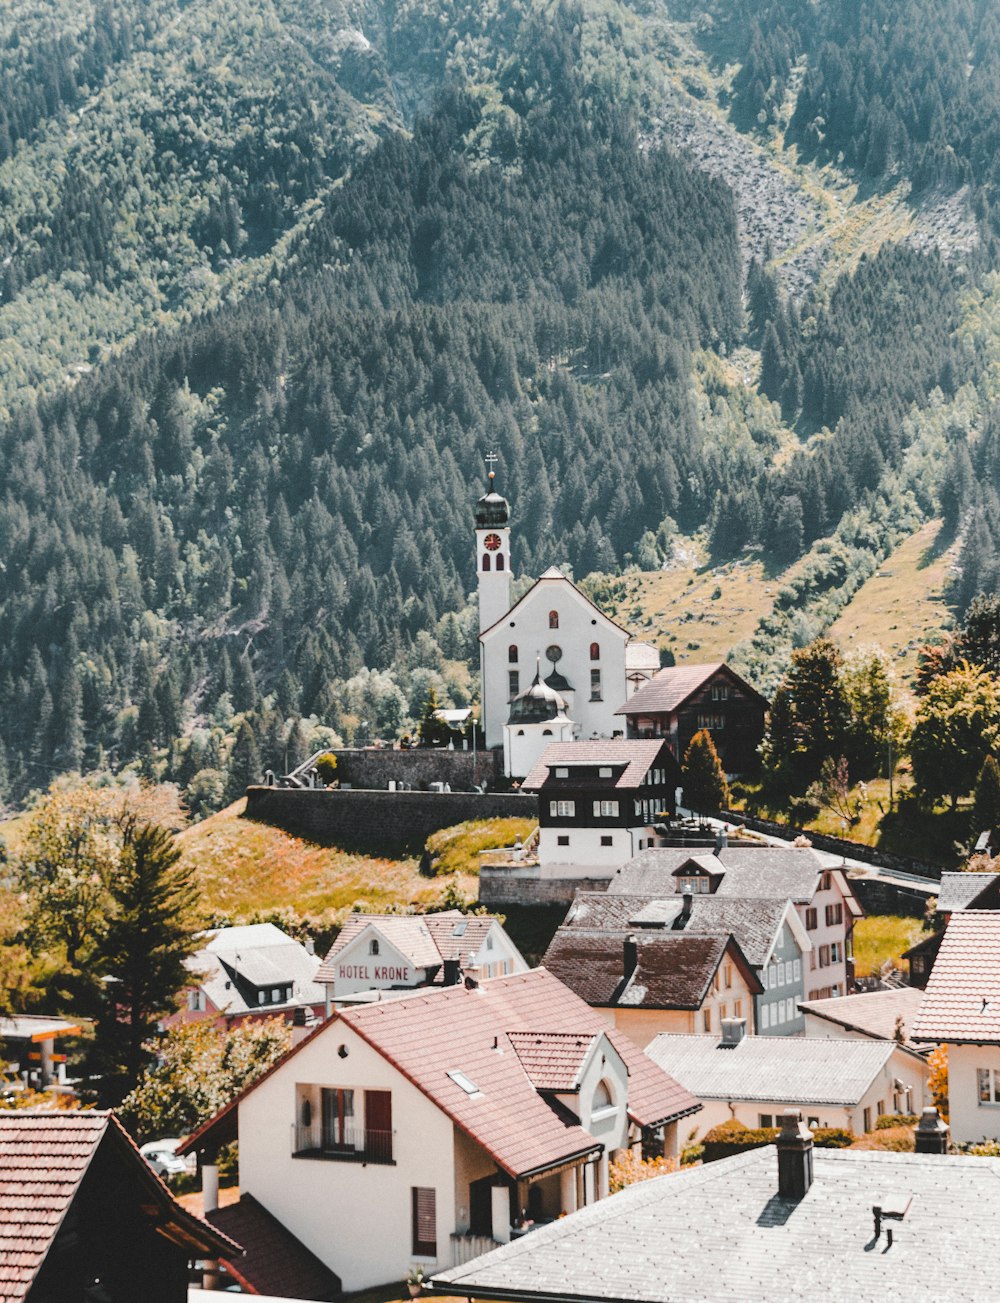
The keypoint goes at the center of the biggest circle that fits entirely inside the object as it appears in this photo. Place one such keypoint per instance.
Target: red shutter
(424, 1222)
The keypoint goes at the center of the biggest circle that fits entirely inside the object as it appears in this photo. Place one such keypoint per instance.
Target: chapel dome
(536, 704)
(492, 511)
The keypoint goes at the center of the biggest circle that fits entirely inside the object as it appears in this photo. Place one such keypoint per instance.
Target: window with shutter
(424, 1222)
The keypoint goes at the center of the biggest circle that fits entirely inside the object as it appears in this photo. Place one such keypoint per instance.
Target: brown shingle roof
(962, 1000)
(44, 1157)
(638, 755)
(274, 1262)
(668, 689)
(673, 969)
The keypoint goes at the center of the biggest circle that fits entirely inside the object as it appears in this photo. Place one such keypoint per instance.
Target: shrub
(833, 1138)
(629, 1168)
(733, 1137)
(888, 1120)
(326, 767)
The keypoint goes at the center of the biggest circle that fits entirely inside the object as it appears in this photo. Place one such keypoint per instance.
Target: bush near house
(733, 1137)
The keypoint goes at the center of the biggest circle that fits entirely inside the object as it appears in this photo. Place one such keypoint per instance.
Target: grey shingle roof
(788, 872)
(650, 873)
(721, 1232)
(755, 923)
(261, 955)
(792, 1070)
(959, 890)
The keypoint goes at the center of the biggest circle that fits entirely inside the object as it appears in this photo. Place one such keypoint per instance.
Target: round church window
(553, 653)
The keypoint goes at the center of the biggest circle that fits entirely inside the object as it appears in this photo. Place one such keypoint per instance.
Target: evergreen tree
(244, 762)
(704, 780)
(986, 810)
(141, 956)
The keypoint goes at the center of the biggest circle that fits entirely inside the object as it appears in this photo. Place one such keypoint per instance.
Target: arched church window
(546, 732)
(512, 653)
(486, 560)
(553, 619)
(595, 651)
(500, 561)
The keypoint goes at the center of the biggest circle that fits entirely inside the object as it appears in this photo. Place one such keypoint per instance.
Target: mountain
(276, 276)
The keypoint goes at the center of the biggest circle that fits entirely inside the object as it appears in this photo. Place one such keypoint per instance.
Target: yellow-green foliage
(629, 1168)
(456, 850)
(883, 937)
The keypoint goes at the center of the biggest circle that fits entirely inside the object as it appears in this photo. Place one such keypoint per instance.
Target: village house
(868, 1015)
(961, 1009)
(682, 700)
(83, 1216)
(553, 666)
(962, 890)
(754, 1079)
(644, 981)
(426, 1128)
(29, 1053)
(598, 802)
(249, 973)
(769, 932)
(780, 1223)
(821, 893)
(393, 952)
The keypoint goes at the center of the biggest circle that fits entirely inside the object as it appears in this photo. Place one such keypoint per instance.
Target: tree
(979, 639)
(877, 720)
(704, 779)
(432, 730)
(141, 956)
(809, 720)
(986, 810)
(957, 726)
(244, 762)
(199, 1068)
(832, 790)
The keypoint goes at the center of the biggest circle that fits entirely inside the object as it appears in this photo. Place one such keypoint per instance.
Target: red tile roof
(274, 1263)
(670, 688)
(44, 1157)
(437, 1031)
(552, 1060)
(962, 1000)
(638, 755)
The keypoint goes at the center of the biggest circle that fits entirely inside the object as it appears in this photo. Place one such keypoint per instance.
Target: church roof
(551, 578)
(536, 703)
(492, 511)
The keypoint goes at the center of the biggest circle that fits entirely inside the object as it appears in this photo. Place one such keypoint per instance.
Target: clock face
(553, 653)
(492, 542)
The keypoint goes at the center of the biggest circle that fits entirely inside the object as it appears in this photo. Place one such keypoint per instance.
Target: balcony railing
(348, 1144)
(466, 1246)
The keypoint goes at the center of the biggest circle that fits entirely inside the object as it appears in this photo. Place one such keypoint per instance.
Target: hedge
(733, 1137)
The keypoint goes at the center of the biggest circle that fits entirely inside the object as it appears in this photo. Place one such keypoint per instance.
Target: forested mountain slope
(321, 256)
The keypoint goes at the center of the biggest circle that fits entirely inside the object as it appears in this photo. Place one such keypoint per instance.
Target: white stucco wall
(355, 1217)
(817, 978)
(494, 584)
(641, 1025)
(496, 949)
(585, 850)
(528, 629)
(970, 1119)
(358, 970)
(523, 744)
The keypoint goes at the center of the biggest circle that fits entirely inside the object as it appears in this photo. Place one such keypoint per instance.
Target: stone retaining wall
(500, 888)
(383, 823)
(372, 768)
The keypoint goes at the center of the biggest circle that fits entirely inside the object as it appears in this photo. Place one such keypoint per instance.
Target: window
(835, 955)
(781, 972)
(723, 1011)
(604, 772)
(720, 692)
(824, 882)
(262, 997)
(373, 947)
(500, 561)
(779, 1010)
(338, 1118)
(868, 1119)
(607, 839)
(811, 920)
(513, 684)
(512, 653)
(553, 619)
(737, 1008)
(728, 976)
(595, 685)
(706, 1019)
(486, 560)
(880, 1107)
(765, 1119)
(712, 722)
(765, 979)
(562, 840)
(562, 809)
(489, 943)
(595, 651)
(424, 1222)
(796, 970)
(790, 1009)
(562, 773)
(812, 962)
(765, 1017)
(988, 1080)
(602, 1097)
(824, 956)
(605, 809)
(196, 1000)
(834, 915)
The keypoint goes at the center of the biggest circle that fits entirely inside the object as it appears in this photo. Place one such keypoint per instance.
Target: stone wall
(880, 897)
(375, 767)
(378, 822)
(501, 887)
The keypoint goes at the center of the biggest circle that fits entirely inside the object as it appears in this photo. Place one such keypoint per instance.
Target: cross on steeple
(491, 460)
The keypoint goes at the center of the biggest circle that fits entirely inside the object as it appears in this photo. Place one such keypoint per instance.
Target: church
(554, 667)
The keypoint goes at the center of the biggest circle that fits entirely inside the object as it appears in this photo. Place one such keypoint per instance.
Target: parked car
(163, 1158)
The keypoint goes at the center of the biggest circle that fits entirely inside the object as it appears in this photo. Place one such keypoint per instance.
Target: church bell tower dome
(492, 511)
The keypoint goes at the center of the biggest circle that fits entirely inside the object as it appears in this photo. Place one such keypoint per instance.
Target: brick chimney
(630, 956)
(795, 1156)
(930, 1135)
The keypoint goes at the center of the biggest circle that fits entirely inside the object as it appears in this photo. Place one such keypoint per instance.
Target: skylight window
(459, 929)
(463, 1082)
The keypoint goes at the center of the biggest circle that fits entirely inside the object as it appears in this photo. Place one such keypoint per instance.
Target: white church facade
(554, 667)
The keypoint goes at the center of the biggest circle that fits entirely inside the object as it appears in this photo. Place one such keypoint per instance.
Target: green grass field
(882, 937)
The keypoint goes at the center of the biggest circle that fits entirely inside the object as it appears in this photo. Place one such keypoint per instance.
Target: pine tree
(141, 957)
(244, 762)
(705, 788)
(986, 810)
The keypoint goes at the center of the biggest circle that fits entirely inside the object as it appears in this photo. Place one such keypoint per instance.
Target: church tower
(492, 554)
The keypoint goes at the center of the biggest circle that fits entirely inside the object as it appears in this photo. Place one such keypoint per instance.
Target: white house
(392, 952)
(869, 1015)
(961, 1009)
(755, 1079)
(427, 1128)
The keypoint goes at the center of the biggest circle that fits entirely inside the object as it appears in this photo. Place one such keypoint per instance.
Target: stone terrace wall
(499, 888)
(374, 767)
(880, 897)
(378, 822)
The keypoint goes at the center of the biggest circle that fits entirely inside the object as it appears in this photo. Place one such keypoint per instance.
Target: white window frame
(605, 809)
(990, 1078)
(562, 809)
(765, 1016)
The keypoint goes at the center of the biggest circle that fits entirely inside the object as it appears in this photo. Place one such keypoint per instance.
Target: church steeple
(492, 551)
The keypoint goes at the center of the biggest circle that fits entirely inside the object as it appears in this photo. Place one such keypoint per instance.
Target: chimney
(733, 1031)
(721, 840)
(300, 1028)
(931, 1133)
(452, 971)
(630, 957)
(795, 1156)
(686, 906)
